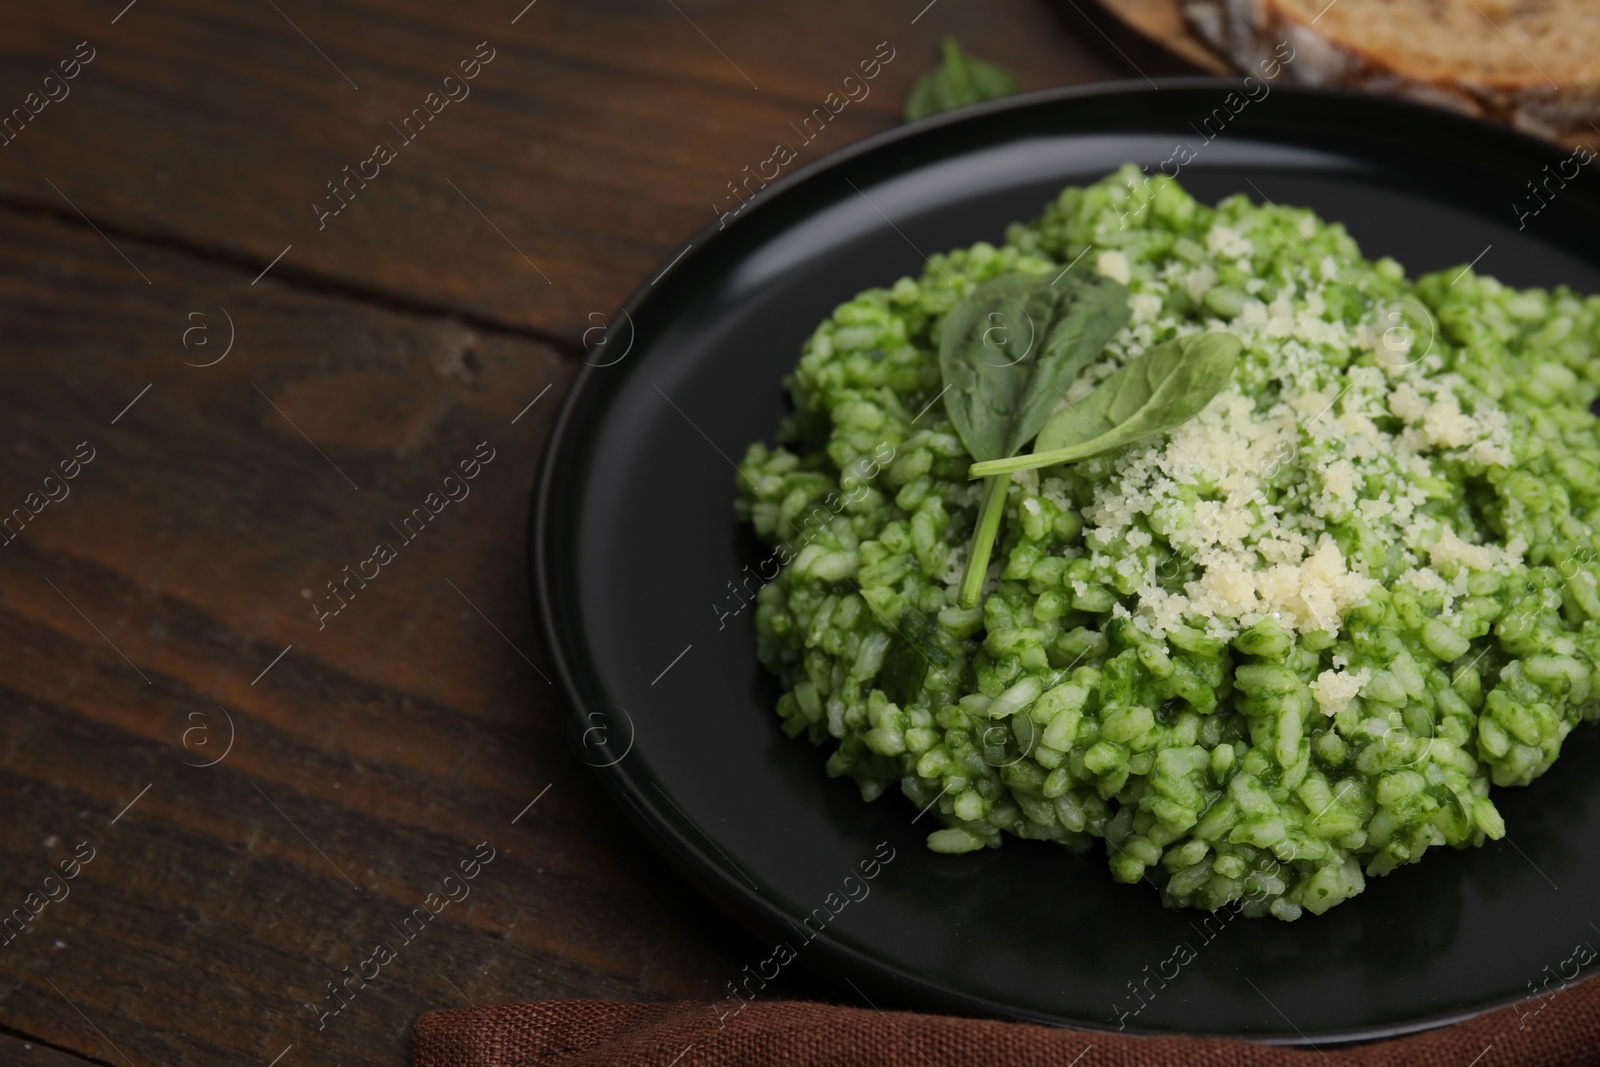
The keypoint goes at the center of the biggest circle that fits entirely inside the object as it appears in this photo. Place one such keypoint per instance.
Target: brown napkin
(1560, 1029)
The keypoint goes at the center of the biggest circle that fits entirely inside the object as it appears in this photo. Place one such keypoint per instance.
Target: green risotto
(1285, 646)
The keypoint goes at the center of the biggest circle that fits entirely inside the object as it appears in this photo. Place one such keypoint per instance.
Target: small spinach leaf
(1011, 348)
(1166, 387)
(1007, 354)
(914, 651)
(957, 82)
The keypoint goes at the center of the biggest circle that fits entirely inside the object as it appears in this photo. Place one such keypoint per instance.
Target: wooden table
(256, 345)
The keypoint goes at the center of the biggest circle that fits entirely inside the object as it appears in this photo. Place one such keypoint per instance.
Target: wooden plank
(176, 597)
(142, 618)
(1163, 22)
(16, 1052)
(595, 143)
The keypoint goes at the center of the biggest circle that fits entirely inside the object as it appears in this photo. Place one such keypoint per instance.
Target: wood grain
(373, 756)
(15, 1052)
(1162, 22)
(270, 787)
(599, 139)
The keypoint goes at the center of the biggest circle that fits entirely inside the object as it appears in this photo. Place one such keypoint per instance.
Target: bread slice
(1532, 63)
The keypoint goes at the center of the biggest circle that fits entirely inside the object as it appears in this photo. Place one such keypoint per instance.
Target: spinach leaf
(1161, 390)
(1011, 348)
(1007, 354)
(906, 664)
(957, 82)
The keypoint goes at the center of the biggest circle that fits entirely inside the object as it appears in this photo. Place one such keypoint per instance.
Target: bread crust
(1246, 31)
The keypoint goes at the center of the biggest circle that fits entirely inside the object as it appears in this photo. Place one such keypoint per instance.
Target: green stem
(956, 70)
(994, 505)
(1035, 460)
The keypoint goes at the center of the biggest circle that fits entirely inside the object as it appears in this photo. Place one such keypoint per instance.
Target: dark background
(160, 616)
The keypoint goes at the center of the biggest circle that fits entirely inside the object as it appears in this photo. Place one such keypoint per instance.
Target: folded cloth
(1562, 1028)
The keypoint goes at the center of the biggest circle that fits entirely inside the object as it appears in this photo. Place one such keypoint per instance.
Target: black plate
(635, 547)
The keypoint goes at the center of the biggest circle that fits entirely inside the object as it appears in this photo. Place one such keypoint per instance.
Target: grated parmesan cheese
(1225, 241)
(1335, 689)
(1450, 548)
(1145, 306)
(1444, 424)
(1113, 265)
(1199, 282)
(1245, 497)
(1339, 479)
